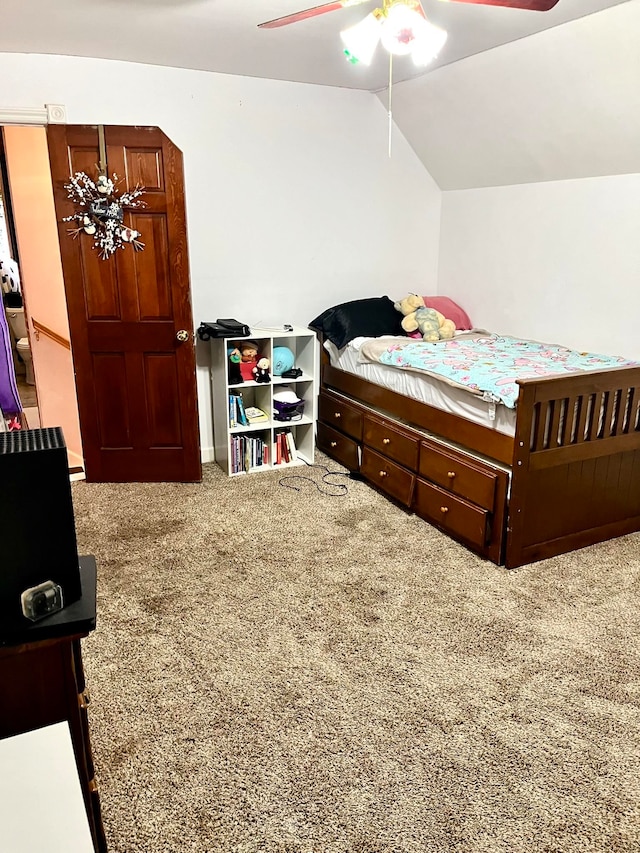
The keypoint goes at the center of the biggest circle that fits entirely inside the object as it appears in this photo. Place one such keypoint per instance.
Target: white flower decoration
(102, 212)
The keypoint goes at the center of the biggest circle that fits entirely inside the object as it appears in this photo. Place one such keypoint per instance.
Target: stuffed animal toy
(235, 374)
(245, 356)
(261, 370)
(447, 328)
(430, 324)
(407, 307)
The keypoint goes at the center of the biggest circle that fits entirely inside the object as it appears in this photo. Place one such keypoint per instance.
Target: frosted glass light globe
(400, 29)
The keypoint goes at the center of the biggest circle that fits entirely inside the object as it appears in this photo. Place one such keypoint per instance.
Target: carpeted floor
(280, 670)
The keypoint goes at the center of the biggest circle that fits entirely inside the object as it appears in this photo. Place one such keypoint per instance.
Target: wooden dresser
(42, 682)
(461, 494)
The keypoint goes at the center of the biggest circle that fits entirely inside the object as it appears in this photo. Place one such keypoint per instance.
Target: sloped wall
(564, 103)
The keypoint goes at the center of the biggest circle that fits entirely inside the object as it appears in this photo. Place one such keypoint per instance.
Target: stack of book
(248, 451)
(285, 447)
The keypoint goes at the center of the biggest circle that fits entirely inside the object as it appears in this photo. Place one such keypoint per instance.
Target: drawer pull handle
(386, 441)
(451, 474)
(444, 510)
(336, 414)
(84, 699)
(383, 474)
(334, 444)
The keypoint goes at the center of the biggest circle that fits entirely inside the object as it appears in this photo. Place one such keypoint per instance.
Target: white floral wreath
(101, 213)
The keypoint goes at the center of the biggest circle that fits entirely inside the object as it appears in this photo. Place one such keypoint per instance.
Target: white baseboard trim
(207, 454)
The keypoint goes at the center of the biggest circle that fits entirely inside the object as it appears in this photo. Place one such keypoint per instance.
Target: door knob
(182, 336)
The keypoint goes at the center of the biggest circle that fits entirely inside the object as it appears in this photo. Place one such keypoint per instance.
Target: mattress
(439, 394)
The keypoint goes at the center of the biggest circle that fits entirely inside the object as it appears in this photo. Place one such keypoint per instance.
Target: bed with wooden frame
(568, 477)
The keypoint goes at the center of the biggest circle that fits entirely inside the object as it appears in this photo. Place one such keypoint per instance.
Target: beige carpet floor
(280, 670)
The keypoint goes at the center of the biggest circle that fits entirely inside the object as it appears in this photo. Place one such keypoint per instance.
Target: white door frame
(51, 114)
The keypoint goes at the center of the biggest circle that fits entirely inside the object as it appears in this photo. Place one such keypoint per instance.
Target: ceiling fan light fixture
(428, 44)
(400, 29)
(361, 40)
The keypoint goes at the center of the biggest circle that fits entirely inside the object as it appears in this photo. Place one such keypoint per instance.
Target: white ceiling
(222, 35)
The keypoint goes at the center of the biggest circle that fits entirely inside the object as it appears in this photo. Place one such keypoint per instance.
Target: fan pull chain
(390, 87)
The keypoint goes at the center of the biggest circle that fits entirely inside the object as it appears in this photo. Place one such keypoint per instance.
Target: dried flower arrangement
(101, 213)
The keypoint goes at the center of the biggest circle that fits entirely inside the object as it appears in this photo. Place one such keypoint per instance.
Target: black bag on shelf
(223, 329)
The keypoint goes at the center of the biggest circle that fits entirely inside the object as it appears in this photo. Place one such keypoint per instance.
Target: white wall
(292, 202)
(556, 261)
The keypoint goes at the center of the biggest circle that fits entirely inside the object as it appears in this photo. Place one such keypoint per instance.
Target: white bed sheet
(426, 389)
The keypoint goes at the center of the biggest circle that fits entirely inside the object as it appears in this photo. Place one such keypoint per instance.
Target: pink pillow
(450, 309)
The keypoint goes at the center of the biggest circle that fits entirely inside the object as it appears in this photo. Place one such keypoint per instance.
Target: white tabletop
(41, 804)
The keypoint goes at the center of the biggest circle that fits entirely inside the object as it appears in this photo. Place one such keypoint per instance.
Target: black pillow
(361, 317)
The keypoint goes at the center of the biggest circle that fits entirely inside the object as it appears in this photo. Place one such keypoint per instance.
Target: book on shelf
(255, 415)
(285, 447)
(242, 416)
(237, 415)
(293, 454)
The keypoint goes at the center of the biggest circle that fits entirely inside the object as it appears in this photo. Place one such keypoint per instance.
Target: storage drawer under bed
(392, 442)
(386, 475)
(452, 514)
(458, 474)
(340, 415)
(338, 446)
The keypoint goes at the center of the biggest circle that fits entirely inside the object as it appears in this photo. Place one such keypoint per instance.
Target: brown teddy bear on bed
(420, 321)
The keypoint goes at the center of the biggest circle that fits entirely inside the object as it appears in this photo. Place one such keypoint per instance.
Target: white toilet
(18, 327)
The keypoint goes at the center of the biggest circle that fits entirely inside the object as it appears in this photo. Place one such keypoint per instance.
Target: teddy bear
(424, 322)
(407, 307)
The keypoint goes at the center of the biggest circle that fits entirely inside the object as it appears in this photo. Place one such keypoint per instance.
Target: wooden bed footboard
(576, 464)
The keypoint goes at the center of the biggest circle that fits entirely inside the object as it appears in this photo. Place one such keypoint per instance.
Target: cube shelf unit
(304, 345)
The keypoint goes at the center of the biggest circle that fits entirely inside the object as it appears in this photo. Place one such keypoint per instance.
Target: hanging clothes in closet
(10, 404)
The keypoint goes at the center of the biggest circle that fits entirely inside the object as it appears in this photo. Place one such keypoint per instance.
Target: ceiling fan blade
(310, 13)
(531, 5)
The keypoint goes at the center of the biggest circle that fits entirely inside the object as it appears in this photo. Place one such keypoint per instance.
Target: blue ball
(282, 359)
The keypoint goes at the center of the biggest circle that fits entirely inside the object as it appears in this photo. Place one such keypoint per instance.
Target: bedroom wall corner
(556, 261)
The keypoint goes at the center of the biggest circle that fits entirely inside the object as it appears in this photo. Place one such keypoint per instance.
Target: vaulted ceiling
(562, 104)
(515, 96)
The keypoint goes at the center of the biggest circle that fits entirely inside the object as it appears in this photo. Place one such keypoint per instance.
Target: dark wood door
(135, 379)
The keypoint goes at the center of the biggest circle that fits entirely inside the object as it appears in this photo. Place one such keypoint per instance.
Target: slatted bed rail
(576, 465)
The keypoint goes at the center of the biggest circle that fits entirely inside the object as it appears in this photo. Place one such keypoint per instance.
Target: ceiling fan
(530, 5)
(401, 26)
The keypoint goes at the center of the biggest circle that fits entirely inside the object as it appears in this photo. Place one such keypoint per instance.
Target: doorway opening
(34, 300)
(13, 306)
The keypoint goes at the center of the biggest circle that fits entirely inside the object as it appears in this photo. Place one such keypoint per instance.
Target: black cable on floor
(329, 473)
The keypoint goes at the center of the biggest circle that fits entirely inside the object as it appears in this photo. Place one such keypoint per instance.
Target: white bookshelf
(304, 345)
